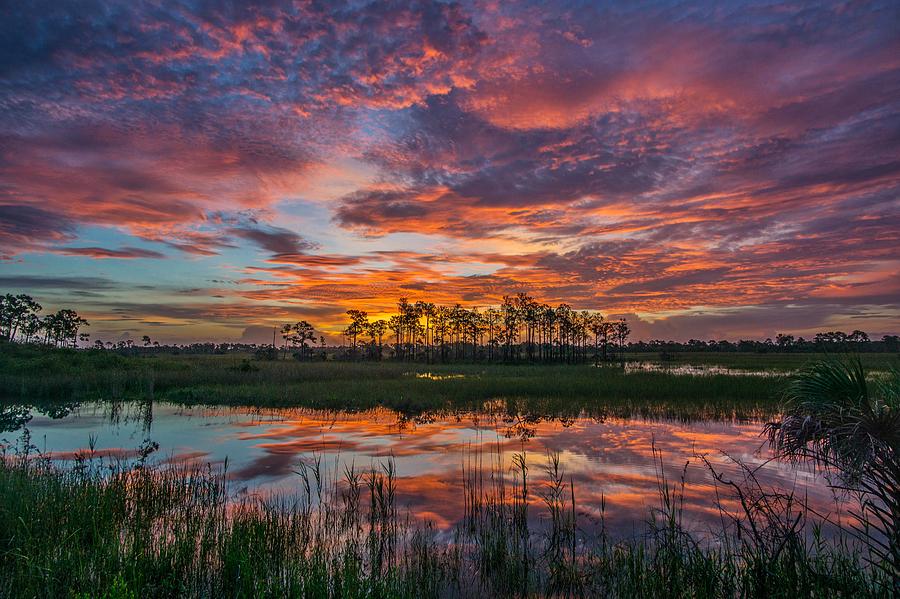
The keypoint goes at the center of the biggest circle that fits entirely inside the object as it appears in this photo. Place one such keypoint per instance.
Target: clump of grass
(119, 530)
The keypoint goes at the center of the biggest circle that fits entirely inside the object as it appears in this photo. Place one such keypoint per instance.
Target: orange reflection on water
(617, 466)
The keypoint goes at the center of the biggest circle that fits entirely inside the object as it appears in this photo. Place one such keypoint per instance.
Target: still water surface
(611, 461)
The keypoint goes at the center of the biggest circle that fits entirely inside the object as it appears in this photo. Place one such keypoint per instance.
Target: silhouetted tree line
(520, 329)
(20, 320)
(830, 342)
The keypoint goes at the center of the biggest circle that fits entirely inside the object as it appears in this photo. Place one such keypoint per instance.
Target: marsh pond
(616, 465)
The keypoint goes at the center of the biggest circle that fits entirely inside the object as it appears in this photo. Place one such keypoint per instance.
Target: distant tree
(527, 310)
(62, 327)
(297, 335)
(523, 327)
(622, 331)
(857, 337)
(14, 310)
(509, 315)
(286, 333)
(376, 330)
(491, 319)
(395, 323)
(784, 342)
(891, 342)
(597, 326)
(564, 323)
(426, 310)
(303, 332)
(31, 327)
(359, 321)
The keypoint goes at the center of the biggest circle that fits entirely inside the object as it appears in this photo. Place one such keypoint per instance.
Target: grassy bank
(101, 530)
(30, 374)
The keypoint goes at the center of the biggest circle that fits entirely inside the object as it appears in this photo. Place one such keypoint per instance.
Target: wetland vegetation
(107, 526)
(120, 522)
(109, 529)
(33, 374)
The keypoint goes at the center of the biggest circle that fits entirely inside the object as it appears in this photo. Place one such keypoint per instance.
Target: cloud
(102, 253)
(636, 159)
(24, 227)
(31, 282)
(272, 239)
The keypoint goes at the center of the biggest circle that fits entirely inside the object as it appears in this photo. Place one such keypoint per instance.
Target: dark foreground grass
(35, 375)
(115, 531)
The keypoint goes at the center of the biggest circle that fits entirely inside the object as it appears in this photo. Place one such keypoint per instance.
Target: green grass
(114, 530)
(37, 375)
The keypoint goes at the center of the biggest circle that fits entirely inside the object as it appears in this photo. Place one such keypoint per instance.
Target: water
(700, 370)
(611, 461)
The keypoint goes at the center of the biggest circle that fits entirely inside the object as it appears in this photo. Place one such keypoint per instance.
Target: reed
(111, 529)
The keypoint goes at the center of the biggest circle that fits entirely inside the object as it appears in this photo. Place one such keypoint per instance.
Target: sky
(204, 170)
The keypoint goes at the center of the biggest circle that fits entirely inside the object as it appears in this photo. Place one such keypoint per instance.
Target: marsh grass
(35, 375)
(111, 529)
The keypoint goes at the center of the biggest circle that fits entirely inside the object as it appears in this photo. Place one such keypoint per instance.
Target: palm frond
(834, 416)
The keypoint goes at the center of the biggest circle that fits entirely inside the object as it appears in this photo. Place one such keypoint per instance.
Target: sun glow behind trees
(520, 328)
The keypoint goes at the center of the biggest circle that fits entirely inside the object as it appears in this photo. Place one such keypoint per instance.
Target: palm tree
(838, 418)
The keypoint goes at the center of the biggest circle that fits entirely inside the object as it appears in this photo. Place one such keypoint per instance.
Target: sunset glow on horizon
(205, 171)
